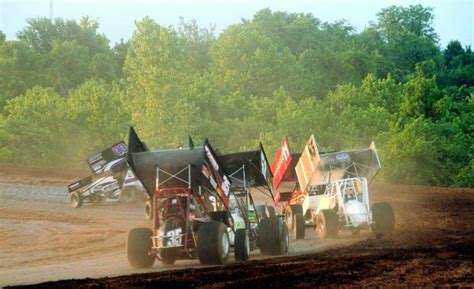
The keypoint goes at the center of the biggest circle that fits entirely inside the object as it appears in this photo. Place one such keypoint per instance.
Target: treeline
(65, 92)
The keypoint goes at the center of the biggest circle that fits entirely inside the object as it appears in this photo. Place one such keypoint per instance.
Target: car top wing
(113, 158)
(159, 169)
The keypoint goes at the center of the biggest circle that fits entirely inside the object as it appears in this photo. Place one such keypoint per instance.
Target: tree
(96, 116)
(410, 157)
(19, 69)
(198, 42)
(70, 52)
(459, 66)
(244, 60)
(120, 51)
(408, 35)
(36, 125)
(157, 80)
(41, 33)
(295, 31)
(419, 98)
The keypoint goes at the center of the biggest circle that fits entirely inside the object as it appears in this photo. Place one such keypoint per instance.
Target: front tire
(273, 236)
(261, 212)
(139, 244)
(290, 215)
(76, 200)
(383, 218)
(128, 196)
(242, 245)
(327, 224)
(149, 209)
(213, 244)
(299, 226)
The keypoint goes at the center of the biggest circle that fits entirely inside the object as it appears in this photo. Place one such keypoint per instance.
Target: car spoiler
(80, 184)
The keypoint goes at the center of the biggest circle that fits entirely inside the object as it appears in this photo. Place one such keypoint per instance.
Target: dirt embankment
(40, 175)
(43, 239)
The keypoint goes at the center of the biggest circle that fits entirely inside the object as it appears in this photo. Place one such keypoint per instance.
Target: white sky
(453, 19)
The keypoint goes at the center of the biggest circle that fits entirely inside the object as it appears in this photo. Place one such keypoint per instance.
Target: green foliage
(415, 19)
(96, 115)
(247, 61)
(19, 69)
(66, 94)
(156, 71)
(419, 98)
(35, 127)
(408, 36)
(459, 66)
(410, 156)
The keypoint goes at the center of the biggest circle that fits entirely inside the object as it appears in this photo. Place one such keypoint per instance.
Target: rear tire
(327, 224)
(139, 244)
(129, 196)
(76, 200)
(383, 218)
(299, 226)
(149, 209)
(242, 245)
(273, 236)
(213, 244)
(271, 211)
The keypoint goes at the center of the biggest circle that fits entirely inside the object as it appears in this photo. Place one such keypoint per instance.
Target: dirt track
(43, 239)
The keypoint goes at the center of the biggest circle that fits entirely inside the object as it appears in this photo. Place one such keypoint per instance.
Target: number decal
(173, 238)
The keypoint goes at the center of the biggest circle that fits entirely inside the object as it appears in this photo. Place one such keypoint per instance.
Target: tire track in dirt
(42, 238)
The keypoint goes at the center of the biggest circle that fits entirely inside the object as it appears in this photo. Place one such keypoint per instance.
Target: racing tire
(299, 226)
(290, 215)
(149, 209)
(76, 200)
(261, 212)
(213, 243)
(129, 196)
(169, 256)
(327, 224)
(242, 245)
(271, 211)
(383, 219)
(286, 238)
(139, 244)
(273, 238)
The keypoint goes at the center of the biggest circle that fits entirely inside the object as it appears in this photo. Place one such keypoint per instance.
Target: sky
(454, 20)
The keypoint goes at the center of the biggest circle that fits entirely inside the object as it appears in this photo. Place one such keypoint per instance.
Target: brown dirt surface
(40, 175)
(43, 239)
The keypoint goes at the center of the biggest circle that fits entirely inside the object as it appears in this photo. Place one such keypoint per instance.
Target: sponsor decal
(120, 149)
(312, 149)
(112, 157)
(280, 163)
(263, 163)
(216, 175)
(306, 168)
(79, 184)
(297, 198)
(74, 186)
(95, 158)
(110, 187)
(342, 156)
